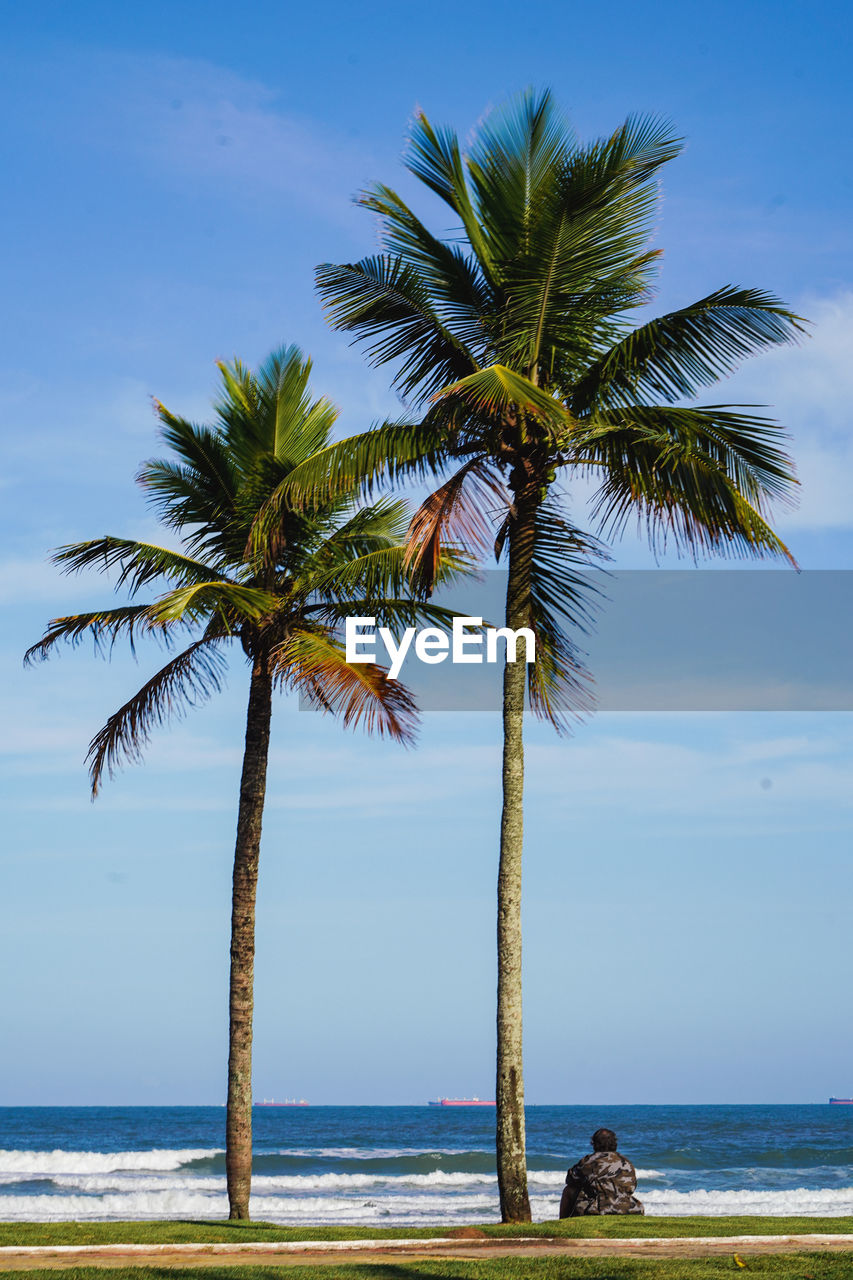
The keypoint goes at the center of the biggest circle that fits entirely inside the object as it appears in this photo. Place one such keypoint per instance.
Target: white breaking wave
(299, 1183)
(268, 1184)
(403, 1209)
(799, 1201)
(406, 1210)
(398, 1202)
(377, 1153)
(59, 1161)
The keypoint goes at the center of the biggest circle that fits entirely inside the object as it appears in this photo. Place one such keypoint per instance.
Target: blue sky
(173, 175)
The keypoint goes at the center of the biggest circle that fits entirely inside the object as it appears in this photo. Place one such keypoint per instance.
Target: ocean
(413, 1166)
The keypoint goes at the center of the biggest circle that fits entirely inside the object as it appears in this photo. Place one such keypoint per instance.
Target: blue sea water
(414, 1165)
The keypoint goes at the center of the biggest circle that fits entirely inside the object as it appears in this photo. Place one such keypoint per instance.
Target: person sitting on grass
(603, 1182)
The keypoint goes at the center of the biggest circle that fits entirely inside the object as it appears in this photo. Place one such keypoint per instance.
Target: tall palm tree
(511, 333)
(278, 587)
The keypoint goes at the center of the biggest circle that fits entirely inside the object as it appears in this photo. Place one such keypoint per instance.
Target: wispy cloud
(203, 127)
(809, 389)
(753, 780)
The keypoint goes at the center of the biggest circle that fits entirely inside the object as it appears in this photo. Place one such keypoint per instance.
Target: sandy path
(323, 1253)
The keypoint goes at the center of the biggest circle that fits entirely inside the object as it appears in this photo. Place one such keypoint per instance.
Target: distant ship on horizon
(460, 1102)
(841, 1102)
(288, 1102)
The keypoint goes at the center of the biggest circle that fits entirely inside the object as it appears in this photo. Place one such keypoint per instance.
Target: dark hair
(604, 1140)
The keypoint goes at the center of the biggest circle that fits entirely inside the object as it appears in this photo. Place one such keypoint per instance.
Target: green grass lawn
(813, 1266)
(187, 1232)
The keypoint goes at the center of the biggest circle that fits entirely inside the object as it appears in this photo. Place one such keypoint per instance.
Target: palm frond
(315, 665)
(434, 156)
(186, 681)
(559, 686)
(677, 354)
(592, 222)
(359, 464)
(197, 495)
(385, 302)
(271, 411)
(139, 562)
(747, 447)
(701, 478)
(381, 524)
(460, 511)
(231, 601)
(633, 153)
(102, 626)
(518, 151)
(202, 453)
(498, 390)
(457, 289)
(563, 599)
(588, 225)
(406, 611)
(373, 575)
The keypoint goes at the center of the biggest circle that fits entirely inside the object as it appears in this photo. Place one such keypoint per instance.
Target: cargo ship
(841, 1102)
(288, 1102)
(460, 1102)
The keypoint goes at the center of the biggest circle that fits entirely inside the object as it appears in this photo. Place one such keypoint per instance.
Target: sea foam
(59, 1161)
(796, 1201)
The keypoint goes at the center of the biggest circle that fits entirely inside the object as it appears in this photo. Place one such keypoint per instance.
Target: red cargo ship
(460, 1102)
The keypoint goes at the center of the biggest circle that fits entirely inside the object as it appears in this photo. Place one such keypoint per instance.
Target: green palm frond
(230, 601)
(205, 475)
(631, 157)
(497, 391)
(434, 156)
(563, 558)
(559, 686)
(271, 411)
(364, 530)
(139, 562)
(674, 356)
(517, 152)
(187, 680)
(582, 242)
(386, 302)
(381, 524)
(373, 575)
(747, 447)
(454, 278)
(563, 599)
(360, 464)
(700, 478)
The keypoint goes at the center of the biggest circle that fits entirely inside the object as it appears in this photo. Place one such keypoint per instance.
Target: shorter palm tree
(280, 587)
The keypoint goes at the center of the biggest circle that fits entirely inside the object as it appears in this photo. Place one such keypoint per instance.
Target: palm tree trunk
(511, 1153)
(238, 1117)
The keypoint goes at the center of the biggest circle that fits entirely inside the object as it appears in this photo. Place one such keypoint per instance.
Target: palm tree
(278, 587)
(511, 334)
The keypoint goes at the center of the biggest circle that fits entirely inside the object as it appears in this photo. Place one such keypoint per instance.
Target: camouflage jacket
(603, 1182)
